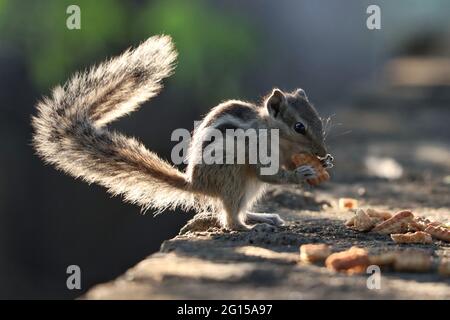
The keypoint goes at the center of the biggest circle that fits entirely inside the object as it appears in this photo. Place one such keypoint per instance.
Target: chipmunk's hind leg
(254, 191)
(205, 220)
(202, 222)
(232, 219)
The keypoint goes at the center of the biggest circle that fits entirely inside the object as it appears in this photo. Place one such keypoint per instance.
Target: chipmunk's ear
(275, 102)
(300, 93)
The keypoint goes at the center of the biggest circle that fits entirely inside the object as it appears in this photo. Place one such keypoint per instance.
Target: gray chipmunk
(71, 134)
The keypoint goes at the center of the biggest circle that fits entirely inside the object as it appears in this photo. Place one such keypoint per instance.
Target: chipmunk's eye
(300, 128)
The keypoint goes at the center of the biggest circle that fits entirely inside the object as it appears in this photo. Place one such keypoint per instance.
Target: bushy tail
(70, 133)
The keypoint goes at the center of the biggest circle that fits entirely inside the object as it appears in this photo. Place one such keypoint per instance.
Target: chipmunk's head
(297, 120)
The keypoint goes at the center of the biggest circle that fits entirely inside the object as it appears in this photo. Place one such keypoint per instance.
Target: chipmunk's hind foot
(201, 222)
(269, 218)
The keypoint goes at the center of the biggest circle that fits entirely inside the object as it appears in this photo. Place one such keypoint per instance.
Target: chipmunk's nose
(320, 151)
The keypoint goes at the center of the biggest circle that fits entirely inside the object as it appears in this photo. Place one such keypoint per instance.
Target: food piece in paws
(440, 233)
(362, 221)
(410, 237)
(353, 260)
(397, 224)
(444, 267)
(301, 159)
(412, 261)
(378, 214)
(314, 252)
(347, 203)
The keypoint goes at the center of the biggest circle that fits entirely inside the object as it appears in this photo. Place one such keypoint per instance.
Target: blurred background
(387, 92)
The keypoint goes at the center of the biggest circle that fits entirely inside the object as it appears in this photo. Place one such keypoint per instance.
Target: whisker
(342, 134)
(328, 126)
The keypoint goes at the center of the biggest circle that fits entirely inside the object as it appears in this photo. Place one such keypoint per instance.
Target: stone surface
(375, 137)
(263, 263)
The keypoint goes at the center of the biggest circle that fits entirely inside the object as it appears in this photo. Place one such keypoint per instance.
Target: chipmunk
(70, 133)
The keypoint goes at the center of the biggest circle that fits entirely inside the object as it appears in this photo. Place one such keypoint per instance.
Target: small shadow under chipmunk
(275, 199)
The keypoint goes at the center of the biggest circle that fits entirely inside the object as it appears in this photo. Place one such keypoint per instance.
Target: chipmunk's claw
(327, 161)
(306, 172)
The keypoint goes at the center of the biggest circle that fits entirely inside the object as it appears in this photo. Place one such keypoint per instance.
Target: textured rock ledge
(262, 263)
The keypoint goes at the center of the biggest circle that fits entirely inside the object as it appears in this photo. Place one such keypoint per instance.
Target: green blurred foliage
(212, 46)
(51, 50)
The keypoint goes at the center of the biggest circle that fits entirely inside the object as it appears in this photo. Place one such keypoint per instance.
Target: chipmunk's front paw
(270, 218)
(305, 172)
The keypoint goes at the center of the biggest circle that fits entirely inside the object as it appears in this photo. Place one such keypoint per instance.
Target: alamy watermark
(373, 21)
(374, 280)
(73, 281)
(231, 146)
(73, 21)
